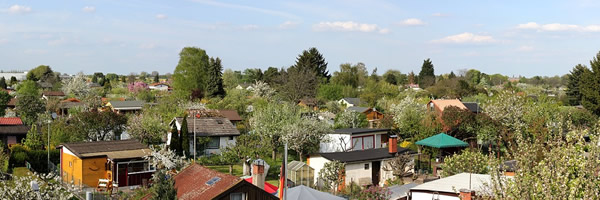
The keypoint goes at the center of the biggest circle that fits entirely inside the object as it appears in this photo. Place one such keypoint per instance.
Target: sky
(513, 38)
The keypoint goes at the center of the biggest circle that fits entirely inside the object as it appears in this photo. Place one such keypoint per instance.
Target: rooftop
(358, 109)
(472, 106)
(355, 101)
(231, 115)
(4, 121)
(443, 103)
(191, 183)
(210, 126)
(364, 155)
(456, 182)
(126, 105)
(114, 149)
(360, 130)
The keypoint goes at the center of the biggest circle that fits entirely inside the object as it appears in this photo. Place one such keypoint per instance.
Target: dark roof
(14, 130)
(509, 166)
(80, 148)
(127, 105)
(70, 104)
(355, 101)
(358, 109)
(360, 130)
(191, 183)
(12, 102)
(472, 106)
(364, 155)
(53, 93)
(231, 115)
(210, 126)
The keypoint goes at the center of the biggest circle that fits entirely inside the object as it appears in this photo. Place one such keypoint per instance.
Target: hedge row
(37, 158)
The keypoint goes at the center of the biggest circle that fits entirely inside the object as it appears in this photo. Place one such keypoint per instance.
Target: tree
(215, 78)
(4, 99)
(331, 92)
(262, 90)
(237, 99)
(191, 73)
(231, 79)
(350, 119)
(247, 147)
(408, 115)
(271, 75)
(471, 161)
(252, 75)
(146, 127)
(40, 73)
(19, 187)
(13, 80)
(28, 108)
(175, 144)
(332, 175)
(457, 122)
(33, 140)
(451, 75)
(76, 86)
(305, 135)
(163, 187)
(156, 79)
(400, 166)
(28, 88)
(184, 137)
(269, 121)
(312, 60)
(393, 77)
(426, 75)
(352, 75)
(473, 76)
(3, 83)
(573, 85)
(299, 83)
(99, 126)
(590, 82)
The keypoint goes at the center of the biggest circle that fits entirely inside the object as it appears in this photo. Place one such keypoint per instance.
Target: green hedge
(37, 158)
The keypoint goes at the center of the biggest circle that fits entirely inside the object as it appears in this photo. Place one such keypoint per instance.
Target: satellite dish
(54, 115)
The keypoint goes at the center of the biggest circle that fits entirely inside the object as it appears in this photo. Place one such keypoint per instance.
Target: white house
(349, 102)
(220, 131)
(363, 167)
(159, 86)
(354, 139)
(449, 188)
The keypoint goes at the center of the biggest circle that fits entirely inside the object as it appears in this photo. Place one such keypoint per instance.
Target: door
(122, 175)
(376, 166)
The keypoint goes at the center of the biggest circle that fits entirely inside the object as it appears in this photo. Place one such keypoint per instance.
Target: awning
(442, 140)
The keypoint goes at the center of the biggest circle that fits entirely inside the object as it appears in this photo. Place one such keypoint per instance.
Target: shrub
(467, 161)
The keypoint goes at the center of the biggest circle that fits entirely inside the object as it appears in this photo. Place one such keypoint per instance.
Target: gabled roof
(209, 126)
(358, 109)
(364, 155)
(127, 105)
(443, 103)
(232, 115)
(115, 149)
(399, 191)
(191, 183)
(352, 131)
(53, 93)
(355, 101)
(452, 184)
(10, 121)
(442, 140)
(14, 130)
(72, 99)
(472, 106)
(302, 192)
(270, 188)
(12, 102)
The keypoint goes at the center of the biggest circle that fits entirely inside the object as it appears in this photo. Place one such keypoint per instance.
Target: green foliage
(215, 82)
(191, 72)
(426, 75)
(376, 90)
(331, 174)
(2, 83)
(590, 82)
(33, 140)
(350, 119)
(147, 127)
(42, 72)
(231, 79)
(408, 115)
(459, 123)
(270, 121)
(98, 126)
(473, 76)
(163, 187)
(298, 83)
(28, 88)
(305, 135)
(573, 84)
(471, 161)
(175, 144)
(28, 108)
(330, 92)
(395, 77)
(252, 75)
(185, 137)
(350, 75)
(236, 99)
(312, 60)
(4, 99)
(247, 146)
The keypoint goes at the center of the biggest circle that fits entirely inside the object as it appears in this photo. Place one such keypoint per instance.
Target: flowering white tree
(350, 119)
(164, 159)
(305, 135)
(20, 188)
(408, 115)
(507, 108)
(262, 89)
(269, 122)
(76, 86)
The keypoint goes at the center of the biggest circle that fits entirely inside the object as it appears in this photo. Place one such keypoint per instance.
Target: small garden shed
(301, 174)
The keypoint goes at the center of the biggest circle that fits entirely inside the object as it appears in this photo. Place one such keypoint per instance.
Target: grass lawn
(237, 171)
(21, 171)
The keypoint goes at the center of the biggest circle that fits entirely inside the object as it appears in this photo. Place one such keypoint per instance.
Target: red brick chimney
(393, 144)
(258, 169)
(466, 194)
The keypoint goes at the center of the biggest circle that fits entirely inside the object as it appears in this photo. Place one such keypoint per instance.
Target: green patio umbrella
(442, 140)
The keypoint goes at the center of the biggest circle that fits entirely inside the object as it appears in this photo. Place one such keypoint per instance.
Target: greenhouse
(301, 174)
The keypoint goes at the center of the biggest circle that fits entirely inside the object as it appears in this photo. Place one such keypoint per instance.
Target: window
(367, 166)
(70, 163)
(213, 143)
(357, 143)
(231, 137)
(363, 142)
(237, 196)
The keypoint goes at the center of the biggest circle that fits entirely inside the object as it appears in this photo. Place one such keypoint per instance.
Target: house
(125, 106)
(198, 182)
(52, 94)
(412, 86)
(119, 161)
(473, 107)
(12, 130)
(159, 87)
(310, 103)
(20, 75)
(69, 103)
(244, 86)
(438, 106)
(363, 167)
(349, 139)
(219, 130)
(232, 115)
(349, 102)
(12, 104)
(373, 116)
(452, 187)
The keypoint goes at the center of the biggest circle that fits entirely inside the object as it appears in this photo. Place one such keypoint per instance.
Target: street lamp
(53, 115)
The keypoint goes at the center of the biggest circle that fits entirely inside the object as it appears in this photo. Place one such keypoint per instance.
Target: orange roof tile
(10, 121)
(191, 183)
(443, 103)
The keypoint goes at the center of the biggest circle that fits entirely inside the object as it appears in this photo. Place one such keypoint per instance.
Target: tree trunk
(247, 168)
(274, 152)
(230, 169)
(300, 156)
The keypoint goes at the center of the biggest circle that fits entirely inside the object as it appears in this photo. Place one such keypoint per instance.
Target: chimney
(466, 194)
(393, 144)
(258, 169)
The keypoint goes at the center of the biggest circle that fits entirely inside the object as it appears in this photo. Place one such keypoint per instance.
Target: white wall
(355, 171)
(317, 162)
(19, 76)
(333, 143)
(223, 142)
(428, 196)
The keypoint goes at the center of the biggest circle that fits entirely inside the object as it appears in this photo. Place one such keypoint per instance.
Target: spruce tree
(2, 83)
(185, 137)
(156, 79)
(573, 80)
(590, 82)
(313, 60)
(426, 75)
(175, 141)
(215, 76)
(452, 75)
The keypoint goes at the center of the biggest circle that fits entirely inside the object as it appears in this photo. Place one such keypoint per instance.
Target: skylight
(212, 181)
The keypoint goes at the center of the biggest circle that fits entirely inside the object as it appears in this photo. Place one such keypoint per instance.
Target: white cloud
(249, 27)
(348, 26)
(525, 48)
(559, 27)
(288, 24)
(412, 22)
(18, 9)
(161, 16)
(89, 9)
(466, 38)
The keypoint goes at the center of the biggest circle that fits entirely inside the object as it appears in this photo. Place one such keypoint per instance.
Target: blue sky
(509, 37)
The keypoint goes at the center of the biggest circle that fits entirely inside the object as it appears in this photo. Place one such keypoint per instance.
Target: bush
(467, 161)
(17, 159)
(37, 158)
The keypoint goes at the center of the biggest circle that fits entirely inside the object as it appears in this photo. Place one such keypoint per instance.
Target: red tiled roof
(191, 183)
(232, 115)
(72, 99)
(10, 121)
(270, 188)
(53, 93)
